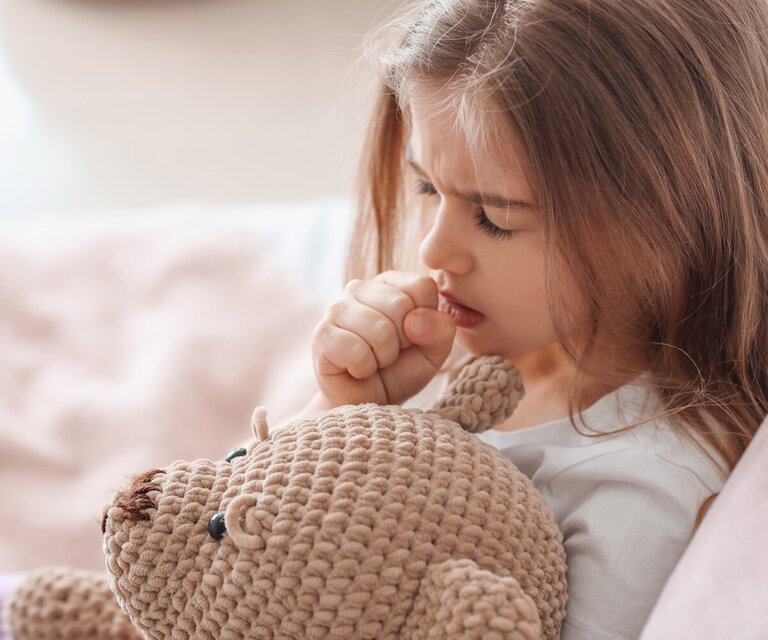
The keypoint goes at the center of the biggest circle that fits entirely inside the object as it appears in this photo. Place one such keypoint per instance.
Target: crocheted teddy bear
(364, 521)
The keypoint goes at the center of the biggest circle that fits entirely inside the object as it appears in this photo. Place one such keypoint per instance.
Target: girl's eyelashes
(425, 188)
(491, 230)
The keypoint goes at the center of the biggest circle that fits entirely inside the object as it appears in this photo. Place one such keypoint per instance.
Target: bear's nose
(134, 501)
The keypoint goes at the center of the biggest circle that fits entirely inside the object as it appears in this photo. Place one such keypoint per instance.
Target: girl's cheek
(426, 216)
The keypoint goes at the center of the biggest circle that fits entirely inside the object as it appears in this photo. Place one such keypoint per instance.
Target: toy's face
(181, 539)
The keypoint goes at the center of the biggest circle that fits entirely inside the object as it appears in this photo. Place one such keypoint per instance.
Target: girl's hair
(645, 130)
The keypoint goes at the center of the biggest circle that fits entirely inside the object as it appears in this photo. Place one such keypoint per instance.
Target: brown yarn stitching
(134, 500)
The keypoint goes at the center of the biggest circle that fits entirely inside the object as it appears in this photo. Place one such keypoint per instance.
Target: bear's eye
(216, 526)
(236, 453)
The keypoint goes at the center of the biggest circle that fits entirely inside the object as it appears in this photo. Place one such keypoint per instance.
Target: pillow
(137, 337)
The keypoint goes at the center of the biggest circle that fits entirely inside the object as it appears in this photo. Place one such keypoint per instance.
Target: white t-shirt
(625, 503)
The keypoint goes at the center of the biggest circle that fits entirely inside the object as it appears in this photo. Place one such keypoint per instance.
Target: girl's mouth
(463, 316)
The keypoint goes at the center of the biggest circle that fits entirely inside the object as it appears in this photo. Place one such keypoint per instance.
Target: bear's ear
(484, 394)
(259, 424)
(249, 520)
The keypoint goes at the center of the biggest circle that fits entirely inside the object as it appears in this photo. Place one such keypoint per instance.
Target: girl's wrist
(317, 403)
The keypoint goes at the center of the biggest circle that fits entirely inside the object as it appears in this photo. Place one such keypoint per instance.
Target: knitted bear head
(364, 521)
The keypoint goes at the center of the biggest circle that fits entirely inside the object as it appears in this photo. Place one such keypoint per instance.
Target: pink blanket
(125, 345)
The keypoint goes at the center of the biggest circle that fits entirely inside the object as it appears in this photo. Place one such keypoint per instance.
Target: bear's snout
(134, 501)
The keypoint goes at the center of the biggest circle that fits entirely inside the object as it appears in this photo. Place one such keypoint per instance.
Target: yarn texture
(364, 521)
(61, 603)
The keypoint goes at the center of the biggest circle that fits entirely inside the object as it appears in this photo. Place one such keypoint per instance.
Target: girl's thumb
(432, 331)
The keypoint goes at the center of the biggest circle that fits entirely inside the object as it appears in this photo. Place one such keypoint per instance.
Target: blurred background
(124, 103)
(175, 182)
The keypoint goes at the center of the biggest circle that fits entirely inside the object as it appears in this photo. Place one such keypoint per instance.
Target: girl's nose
(446, 245)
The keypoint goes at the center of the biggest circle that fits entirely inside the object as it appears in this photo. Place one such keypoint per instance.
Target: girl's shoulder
(624, 436)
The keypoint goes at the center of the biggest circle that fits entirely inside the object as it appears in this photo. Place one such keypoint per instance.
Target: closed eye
(490, 229)
(425, 188)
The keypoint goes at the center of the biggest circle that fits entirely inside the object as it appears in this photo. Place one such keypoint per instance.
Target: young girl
(588, 184)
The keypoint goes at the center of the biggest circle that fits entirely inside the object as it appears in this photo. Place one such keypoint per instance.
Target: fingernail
(419, 326)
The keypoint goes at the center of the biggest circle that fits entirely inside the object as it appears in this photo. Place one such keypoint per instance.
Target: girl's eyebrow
(483, 199)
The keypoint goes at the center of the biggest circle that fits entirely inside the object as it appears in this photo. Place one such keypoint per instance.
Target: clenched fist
(382, 342)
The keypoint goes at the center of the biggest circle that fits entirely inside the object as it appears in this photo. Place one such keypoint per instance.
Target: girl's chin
(478, 343)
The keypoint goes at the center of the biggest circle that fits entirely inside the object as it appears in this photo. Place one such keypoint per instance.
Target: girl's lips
(463, 316)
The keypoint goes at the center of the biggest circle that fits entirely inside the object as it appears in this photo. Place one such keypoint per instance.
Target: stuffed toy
(364, 521)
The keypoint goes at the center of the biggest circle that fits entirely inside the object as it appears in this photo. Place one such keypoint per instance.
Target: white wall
(124, 103)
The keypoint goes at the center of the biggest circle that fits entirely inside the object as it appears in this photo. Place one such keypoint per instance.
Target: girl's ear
(484, 394)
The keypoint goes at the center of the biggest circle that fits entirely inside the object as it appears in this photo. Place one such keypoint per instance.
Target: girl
(588, 184)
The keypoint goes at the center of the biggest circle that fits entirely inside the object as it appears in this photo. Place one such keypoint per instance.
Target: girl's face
(482, 236)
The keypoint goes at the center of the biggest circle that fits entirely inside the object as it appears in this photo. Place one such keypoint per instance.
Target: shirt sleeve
(628, 518)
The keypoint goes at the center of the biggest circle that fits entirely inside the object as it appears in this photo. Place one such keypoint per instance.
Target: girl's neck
(547, 362)
(547, 377)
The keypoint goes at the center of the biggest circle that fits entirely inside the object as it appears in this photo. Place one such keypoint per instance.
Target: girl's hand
(382, 342)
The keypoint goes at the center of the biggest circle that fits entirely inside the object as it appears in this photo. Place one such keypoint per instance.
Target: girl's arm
(318, 403)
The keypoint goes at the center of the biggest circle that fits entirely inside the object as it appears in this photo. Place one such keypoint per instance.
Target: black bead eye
(236, 453)
(217, 527)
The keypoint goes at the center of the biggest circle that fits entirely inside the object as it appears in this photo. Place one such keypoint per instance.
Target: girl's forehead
(481, 141)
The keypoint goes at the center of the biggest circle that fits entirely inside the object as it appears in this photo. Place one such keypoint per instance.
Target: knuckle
(320, 331)
(401, 304)
(354, 285)
(335, 311)
(383, 333)
(425, 285)
(360, 353)
(362, 361)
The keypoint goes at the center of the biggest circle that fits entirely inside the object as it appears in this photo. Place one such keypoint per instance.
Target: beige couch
(719, 589)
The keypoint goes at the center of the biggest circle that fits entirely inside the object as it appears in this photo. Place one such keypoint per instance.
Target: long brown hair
(644, 125)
